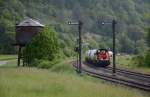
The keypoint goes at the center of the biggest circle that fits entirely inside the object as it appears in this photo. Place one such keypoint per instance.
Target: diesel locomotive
(98, 57)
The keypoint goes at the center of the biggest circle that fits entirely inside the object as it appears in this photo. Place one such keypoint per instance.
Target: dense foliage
(130, 15)
(44, 46)
(147, 55)
(143, 59)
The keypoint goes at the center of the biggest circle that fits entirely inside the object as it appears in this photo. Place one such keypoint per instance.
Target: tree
(135, 34)
(147, 55)
(44, 46)
(127, 44)
(144, 58)
(148, 37)
(58, 12)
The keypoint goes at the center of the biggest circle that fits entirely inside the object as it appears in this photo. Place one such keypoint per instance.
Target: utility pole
(114, 44)
(113, 23)
(79, 50)
(80, 46)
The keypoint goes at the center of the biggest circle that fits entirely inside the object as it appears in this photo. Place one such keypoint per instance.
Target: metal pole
(79, 51)
(78, 62)
(80, 47)
(114, 45)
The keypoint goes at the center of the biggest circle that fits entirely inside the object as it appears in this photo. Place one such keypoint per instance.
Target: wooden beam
(19, 55)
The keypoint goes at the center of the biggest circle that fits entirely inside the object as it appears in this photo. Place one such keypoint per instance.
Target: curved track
(125, 77)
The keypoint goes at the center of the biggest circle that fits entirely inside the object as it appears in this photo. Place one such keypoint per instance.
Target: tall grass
(59, 81)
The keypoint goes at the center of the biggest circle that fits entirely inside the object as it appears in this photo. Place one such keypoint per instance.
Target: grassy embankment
(128, 63)
(59, 81)
(7, 57)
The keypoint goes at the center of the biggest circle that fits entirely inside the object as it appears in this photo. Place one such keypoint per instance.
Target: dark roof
(30, 22)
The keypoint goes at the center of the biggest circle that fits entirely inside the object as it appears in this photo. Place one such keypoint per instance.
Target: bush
(138, 60)
(55, 65)
(147, 59)
(62, 67)
(44, 63)
(142, 60)
(44, 46)
(68, 52)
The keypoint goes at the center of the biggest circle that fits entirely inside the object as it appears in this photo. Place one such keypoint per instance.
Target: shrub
(44, 63)
(142, 60)
(68, 52)
(147, 59)
(62, 67)
(44, 46)
(139, 60)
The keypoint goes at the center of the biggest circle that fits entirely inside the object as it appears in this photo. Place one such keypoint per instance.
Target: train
(98, 57)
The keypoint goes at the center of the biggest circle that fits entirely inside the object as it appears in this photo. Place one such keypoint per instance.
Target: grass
(7, 57)
(32, 82)
(127, 63)
(59, 81)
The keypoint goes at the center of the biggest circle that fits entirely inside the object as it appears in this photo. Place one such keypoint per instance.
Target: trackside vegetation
(58, 81)
(143, 59)
(43, 49)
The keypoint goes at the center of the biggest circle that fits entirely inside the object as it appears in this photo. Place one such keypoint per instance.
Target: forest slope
(130, 14)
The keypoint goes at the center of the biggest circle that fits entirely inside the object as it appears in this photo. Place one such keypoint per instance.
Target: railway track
(131, 72)
(125, 77)
(140, 77)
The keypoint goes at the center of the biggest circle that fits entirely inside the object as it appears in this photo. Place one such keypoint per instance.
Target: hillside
(130, 14)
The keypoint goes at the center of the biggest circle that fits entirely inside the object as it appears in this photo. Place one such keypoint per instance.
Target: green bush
(44, 46)
(68, 52)
(44, 63)
(55, 65)
(138, 60)
(142, 60)
(62, 67)
(147, 59)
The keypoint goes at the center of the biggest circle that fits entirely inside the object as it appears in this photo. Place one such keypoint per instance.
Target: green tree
(143, 59)
(148, 37)
(147, 55)
(135, 34)
(44, 46)
(91, 12)
(126, 44)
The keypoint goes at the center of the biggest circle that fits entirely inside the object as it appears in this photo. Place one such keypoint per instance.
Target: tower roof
(30, 22)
